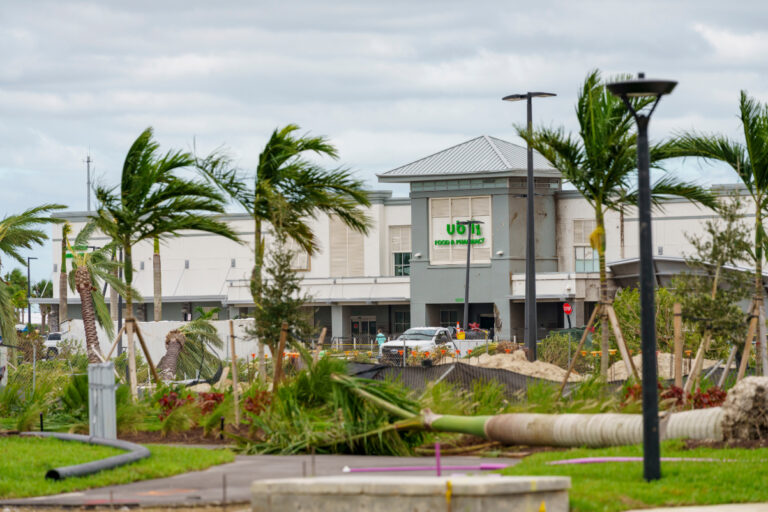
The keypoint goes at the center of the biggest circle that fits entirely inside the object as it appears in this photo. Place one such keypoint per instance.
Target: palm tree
(66, 230)
(749, 158)
(43, 289)
(152, 201)
(286, 189)
(157, 280)
(90, 269)
(600, 162)
(19, 232)
(188, 349)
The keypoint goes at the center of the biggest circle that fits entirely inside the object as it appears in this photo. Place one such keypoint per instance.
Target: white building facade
(409, 268)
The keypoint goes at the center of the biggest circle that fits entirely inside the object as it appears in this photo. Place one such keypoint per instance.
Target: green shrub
(554, 349)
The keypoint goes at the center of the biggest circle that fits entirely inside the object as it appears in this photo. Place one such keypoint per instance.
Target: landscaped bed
(738, 476)
(24, 462)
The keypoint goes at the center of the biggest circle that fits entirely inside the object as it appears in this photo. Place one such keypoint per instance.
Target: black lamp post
(469, 223)
(643, 87)
(530, 241)
(29, 295)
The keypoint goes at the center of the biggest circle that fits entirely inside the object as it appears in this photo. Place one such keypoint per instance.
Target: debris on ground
(746, 410)
(517, 362)
(665, 365)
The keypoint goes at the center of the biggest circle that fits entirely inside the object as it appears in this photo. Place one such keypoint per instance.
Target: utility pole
(88, 180)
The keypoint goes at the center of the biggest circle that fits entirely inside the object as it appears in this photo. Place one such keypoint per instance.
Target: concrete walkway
(207, 487)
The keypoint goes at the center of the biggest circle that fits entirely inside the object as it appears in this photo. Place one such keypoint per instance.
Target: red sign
(567, 309)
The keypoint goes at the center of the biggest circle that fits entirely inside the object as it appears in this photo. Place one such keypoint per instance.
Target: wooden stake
(677, 310)
(628, 362)
(262, 364)
(235, 386)
(727, 368)
(698, 362)
(278, 358)
(578, 349)
(114, 343)
(131, 360)
(319, 346)
(155, 376)
(747, 344)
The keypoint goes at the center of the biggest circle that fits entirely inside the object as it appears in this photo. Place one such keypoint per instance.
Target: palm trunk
(174, 343)
(762, 350)
(621, 231)
(128, 269)
(157, 278)
(83, 285)
(604, 323)
(113, 300)
(258, 262)
(62, 295)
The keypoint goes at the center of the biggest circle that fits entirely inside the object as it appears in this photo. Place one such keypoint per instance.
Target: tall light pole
(470, 225)
(29, 295)
(643, 87)
(530, 240)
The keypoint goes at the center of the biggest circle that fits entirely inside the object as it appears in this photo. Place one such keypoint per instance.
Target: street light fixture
(469, 223)
(29, 295)
(530, 241)
(643, 87)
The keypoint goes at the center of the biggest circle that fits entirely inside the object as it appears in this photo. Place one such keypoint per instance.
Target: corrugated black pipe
(135, 452)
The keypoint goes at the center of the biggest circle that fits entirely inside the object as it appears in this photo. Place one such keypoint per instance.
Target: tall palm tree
(157, 280)
(66, 230)
(287, 189)
(43, 289)
(600, 162)
(153, 201)
(749, 158)
(19, 232)
(89, 271)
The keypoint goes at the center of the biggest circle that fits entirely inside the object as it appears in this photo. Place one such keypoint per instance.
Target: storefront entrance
(363, 328)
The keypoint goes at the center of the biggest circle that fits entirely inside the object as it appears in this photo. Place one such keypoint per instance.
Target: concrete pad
(379, 493)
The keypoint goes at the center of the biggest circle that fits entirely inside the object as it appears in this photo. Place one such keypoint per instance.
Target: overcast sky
(388, 82)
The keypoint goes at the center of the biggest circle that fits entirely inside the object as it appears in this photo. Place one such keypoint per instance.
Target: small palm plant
(89, 270)
(188, 349)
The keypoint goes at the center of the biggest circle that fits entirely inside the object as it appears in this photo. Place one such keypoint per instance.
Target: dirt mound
(665, 365)
(518, 363)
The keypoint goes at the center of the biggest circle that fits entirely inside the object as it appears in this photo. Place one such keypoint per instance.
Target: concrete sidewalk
(207, 487)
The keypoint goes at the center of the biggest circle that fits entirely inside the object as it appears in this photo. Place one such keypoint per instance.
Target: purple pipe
(601, 460)
(480, 467)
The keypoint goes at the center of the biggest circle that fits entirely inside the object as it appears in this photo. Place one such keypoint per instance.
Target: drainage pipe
(135, 452)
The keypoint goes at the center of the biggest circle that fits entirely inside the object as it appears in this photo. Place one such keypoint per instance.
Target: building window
(300, 261)
(402, 322)
(449, 318)
(400, 246)
(582, 229)
(347, 250)
(233, 263)
(448, 239)
(587, 260)
(402, 263)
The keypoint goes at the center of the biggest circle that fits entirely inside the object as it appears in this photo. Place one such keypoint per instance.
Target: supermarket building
(409, 269)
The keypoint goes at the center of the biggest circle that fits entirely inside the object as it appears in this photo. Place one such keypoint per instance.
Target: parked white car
(51, 344)
(419, 339)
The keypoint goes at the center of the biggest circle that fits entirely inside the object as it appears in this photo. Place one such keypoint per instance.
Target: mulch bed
(193, 436)
(690, 444)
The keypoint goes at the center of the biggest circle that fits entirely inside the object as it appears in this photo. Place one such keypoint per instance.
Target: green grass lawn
(24, 462)
(620, 486)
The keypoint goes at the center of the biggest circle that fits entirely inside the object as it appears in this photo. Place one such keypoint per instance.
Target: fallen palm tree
(744, 416)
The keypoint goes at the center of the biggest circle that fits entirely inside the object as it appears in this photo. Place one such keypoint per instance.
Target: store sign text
(461, 229)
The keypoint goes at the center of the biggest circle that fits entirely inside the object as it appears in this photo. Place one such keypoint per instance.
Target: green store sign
(461, 229)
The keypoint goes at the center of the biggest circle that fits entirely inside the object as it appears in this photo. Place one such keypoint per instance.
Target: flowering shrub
(257, 402)
(675, 395)
(209, 401)
(170, 401)
(713, 397)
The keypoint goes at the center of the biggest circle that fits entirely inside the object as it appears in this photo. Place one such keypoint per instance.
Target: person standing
(381, 338)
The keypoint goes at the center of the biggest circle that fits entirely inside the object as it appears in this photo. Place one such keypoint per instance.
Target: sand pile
(665, 365)
(517, 362)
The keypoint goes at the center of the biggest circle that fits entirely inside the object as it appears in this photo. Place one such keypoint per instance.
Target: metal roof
(481, 155)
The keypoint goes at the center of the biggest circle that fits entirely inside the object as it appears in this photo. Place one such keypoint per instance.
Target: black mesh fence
(464, 376)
